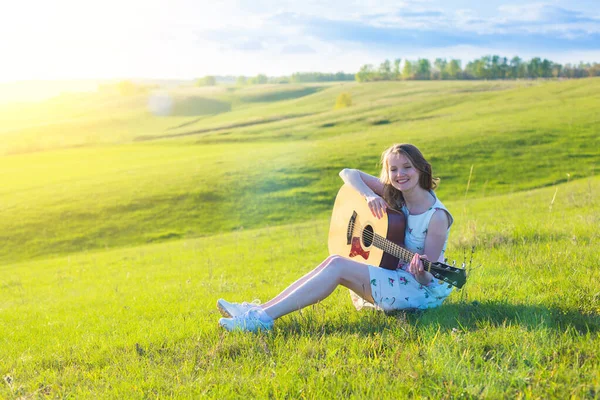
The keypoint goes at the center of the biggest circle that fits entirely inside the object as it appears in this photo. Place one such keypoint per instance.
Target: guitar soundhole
(367, 236)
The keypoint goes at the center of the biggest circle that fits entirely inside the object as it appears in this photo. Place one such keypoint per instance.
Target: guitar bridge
(351, 228)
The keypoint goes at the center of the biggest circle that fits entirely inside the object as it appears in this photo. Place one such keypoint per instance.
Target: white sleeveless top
(416, 227)
(398, 289)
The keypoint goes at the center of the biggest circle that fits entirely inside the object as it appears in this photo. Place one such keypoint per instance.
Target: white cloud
(189, 38)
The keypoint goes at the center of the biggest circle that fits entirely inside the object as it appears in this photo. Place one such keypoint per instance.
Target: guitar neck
(349, 238)
(452, 275)
(396, 250)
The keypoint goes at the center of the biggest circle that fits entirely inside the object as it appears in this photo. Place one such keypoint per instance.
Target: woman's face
(403, 175)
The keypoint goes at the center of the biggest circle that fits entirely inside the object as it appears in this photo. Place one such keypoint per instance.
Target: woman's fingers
(381, 209)
(377, 207)
(422, 259)
(374, 209)
(416, 266)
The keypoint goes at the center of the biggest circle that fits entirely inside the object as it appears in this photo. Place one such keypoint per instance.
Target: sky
(186, 39)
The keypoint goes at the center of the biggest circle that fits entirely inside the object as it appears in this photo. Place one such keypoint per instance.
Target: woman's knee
(326, 262)
(333, 258)
(338, 266)
(335, 261)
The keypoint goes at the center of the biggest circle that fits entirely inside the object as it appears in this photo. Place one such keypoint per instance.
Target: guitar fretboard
(438, 270)
(405, 255)
(397, 251)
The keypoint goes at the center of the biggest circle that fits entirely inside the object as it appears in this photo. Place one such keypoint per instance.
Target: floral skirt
(399, 290)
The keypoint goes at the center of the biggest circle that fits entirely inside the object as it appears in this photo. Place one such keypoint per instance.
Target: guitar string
(391, 247)
(386, 243)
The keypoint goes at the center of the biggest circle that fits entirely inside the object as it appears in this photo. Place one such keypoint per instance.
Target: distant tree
(341, 76)
(397, 62)
(469, 70)
(303, 77)
(343, 100)
(546, 68)
(365, 74)
(385, 71)
(441, 65)
(279, 80)
(479, 68)
(594, 70)
(556, 70)
(504, 68)
(454, 69)
(534, 67)
(259, 79)
(423, 69)
(514, 66)
(241, 80)
(208, 80)
(408, 70)
(583, 70)
(522, 73)
(494, 67)
(482, 70)
(567, 71)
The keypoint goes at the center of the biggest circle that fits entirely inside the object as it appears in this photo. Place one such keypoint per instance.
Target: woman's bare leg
(299, 282)
(338, 271)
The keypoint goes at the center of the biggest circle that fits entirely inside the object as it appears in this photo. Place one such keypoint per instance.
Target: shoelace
(248, 316)
(255, 302)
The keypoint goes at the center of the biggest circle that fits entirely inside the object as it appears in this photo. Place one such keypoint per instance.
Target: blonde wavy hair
(393, 196)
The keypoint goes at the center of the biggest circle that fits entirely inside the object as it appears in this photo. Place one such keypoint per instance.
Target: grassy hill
(121, 223)
(80, 170)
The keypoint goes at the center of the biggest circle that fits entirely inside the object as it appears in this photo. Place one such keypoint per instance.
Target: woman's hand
(377, 205)
(417, 269)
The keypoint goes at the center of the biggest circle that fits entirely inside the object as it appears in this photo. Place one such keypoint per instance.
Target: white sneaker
(231, 310)
(253, 320)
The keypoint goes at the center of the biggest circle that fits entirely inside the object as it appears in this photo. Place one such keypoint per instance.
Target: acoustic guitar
(356, 234)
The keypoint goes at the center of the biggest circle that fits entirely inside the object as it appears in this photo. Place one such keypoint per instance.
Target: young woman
(406, 184)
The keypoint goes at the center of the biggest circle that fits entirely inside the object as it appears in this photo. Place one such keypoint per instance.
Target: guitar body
(354, 233)
(358, 245)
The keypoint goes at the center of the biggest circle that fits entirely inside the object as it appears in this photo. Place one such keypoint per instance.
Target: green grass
(120, 229)
(141, 322)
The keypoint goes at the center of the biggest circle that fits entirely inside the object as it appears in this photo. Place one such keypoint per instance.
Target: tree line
(298, 77)
(486, 67)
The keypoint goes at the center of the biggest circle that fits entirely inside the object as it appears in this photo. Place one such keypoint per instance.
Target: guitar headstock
(449, 273)
(456, 276)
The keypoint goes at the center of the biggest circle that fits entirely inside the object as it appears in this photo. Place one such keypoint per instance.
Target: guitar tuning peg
(454, 263)
(463, 265)
(446, 260)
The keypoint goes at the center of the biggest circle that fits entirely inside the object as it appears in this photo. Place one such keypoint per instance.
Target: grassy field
(120, 229)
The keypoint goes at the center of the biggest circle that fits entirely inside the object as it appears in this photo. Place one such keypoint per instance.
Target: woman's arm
(434, 243)
(369, 187)
(365, 184)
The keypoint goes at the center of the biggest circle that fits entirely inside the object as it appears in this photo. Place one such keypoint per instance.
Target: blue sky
(184, 39)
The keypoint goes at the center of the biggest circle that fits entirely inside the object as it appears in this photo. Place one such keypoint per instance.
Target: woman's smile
(403, 175)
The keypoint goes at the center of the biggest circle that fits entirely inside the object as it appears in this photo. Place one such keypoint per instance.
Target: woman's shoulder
(440, 211)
